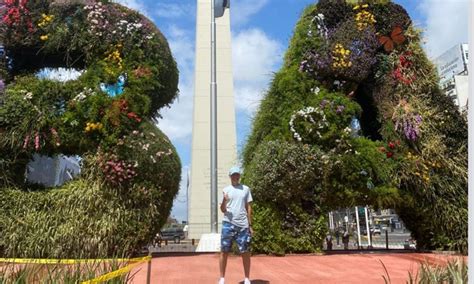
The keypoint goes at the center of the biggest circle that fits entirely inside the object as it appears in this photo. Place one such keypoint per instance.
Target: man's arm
(224, 203)
(248, 207)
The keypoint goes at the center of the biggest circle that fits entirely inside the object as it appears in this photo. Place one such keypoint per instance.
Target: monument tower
(199, 202)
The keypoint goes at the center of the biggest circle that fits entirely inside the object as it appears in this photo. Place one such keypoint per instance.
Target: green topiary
(130, 170)
(366, 99)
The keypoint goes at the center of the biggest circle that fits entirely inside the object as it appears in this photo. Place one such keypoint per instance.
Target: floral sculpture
(130, 171)
(355, 117)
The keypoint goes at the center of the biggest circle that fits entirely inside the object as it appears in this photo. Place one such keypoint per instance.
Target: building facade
(453, 71)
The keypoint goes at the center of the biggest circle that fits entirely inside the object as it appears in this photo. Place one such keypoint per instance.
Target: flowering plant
(41, 138)
(403, 72)
(114, 61)
(97, 19)
(390, 149)
(116, 171)
(17, 18)
(349, 54)
(311, 119)
(407, 121)
(363, 17)
(44, 22)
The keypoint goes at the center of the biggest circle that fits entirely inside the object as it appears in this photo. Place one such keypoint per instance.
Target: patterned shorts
(232, 232)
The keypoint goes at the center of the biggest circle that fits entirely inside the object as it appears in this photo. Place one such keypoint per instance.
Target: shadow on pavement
(257, 281)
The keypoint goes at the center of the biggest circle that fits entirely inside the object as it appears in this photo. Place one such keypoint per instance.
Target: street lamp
(220, 6)
(217, 10)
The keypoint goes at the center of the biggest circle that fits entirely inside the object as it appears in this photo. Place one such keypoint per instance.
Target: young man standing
(237, 222)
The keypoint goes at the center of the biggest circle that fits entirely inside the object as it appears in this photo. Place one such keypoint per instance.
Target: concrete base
(209, 243)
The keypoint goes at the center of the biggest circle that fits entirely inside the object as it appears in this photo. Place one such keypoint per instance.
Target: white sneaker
(221, 281)
(247, 281)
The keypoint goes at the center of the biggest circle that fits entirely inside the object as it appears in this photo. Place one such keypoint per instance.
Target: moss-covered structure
(354, 117)
(130, 170)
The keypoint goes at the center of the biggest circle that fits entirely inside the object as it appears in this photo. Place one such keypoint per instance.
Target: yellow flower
(356, 7)
(44, 37)
(365, 5)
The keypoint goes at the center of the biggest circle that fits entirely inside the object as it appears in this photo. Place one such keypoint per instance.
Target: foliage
(272, 236)
(455, 271)
(283, 179)
(77, 273)
(130, 171)
(357, 88)
(87, 218)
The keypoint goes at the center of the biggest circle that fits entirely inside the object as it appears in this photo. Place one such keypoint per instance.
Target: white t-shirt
(236, 213)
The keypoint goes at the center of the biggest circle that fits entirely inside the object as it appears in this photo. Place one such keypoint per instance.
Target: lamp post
(217, 10)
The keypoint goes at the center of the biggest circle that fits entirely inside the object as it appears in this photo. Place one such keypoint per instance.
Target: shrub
(130, 170)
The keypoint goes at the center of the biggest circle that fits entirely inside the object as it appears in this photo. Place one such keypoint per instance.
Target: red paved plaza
(340, 268)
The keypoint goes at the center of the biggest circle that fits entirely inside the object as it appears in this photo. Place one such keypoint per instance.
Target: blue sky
(261, 30)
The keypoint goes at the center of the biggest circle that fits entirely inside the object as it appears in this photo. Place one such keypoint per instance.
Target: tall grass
(455, 272)
(11, 273)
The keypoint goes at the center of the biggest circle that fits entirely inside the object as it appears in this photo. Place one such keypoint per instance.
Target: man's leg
(223, 263)
(246, 261)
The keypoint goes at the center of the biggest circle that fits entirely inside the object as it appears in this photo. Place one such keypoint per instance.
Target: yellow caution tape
(117, 272)
(70, 261)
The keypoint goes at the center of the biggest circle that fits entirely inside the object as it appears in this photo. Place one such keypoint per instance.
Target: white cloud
(174, 10)
(447, 23)
(177, 120)
(255, 57)
(242, 10)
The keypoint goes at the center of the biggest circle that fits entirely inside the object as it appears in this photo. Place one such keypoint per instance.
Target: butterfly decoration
(395, 37)
(114, 89)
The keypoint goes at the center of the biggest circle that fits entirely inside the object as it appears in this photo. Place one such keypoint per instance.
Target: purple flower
(340, 109)
(418, 118)
(323, 103)
(2, 86)
(303, 65)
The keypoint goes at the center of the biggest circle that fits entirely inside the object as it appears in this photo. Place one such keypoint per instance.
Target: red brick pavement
(304, 269)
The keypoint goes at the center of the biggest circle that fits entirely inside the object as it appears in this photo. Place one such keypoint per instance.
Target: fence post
(386, 239)
(148, 274)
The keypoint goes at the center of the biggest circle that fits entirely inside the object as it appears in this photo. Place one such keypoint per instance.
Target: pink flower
(37, 141)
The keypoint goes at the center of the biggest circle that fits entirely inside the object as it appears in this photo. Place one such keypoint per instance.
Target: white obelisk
(199, 211)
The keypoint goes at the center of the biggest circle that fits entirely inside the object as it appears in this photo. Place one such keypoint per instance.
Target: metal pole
(148, 273)
(358, 228)
(330, 223)
(213, 123)
(367, 226)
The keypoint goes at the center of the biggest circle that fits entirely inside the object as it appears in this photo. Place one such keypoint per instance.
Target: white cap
(234, 170)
